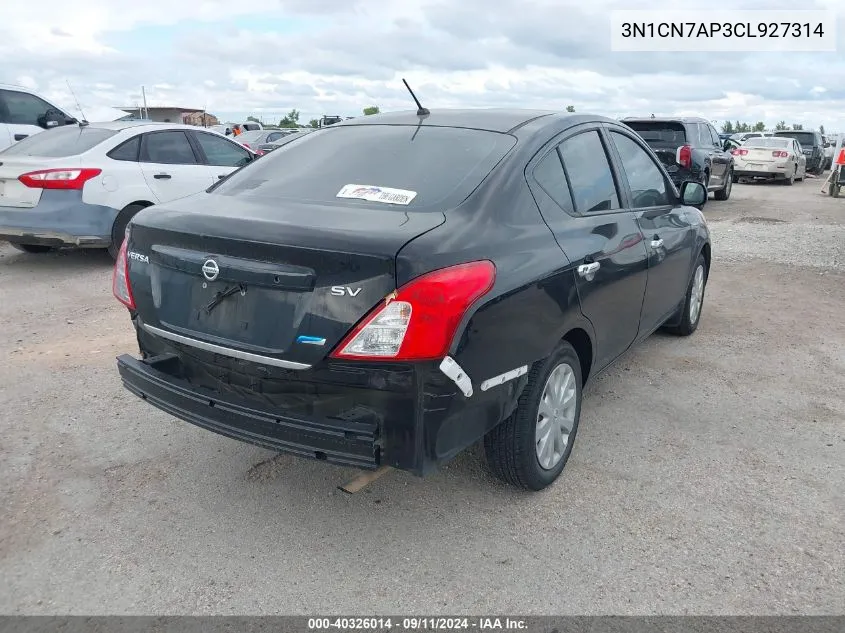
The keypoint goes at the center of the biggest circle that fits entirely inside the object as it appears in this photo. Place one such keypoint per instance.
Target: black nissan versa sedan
(391, 289)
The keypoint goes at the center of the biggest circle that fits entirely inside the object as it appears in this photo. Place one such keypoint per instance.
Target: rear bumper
(60, 218)
(408, 416)
(345, 443)
(773, 171)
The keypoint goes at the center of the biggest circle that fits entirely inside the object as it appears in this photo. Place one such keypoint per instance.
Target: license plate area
(256, 318)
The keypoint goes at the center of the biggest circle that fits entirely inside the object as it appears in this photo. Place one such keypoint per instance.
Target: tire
(689, 321)
(705, 181)
(31, 248)
(789, 181)
(119, 227)
(801, 179)
(725, 192)
(512, 447)
(734, 179)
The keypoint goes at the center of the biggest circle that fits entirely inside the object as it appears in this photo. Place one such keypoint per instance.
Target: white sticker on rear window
(377, 194)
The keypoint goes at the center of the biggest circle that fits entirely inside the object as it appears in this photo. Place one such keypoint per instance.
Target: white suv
(24, 113)
(79, 185)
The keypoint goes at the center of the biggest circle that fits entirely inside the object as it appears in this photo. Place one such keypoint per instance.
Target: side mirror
(826, 145)
(693, 194)
(50, 119)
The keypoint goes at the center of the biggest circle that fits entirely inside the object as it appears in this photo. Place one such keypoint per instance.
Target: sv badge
(345, 291)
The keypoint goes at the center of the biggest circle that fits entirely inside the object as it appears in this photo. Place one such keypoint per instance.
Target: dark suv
(812, 145)
(691, 149)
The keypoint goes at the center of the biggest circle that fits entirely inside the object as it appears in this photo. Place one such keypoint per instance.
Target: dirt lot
(707, 477)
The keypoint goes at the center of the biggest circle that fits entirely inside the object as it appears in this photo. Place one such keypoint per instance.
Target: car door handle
(657, 242)
(163, 176)
(588, 271)
(20, 137)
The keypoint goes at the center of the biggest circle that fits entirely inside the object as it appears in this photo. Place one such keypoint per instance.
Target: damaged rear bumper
(413, 417)
(349, 443)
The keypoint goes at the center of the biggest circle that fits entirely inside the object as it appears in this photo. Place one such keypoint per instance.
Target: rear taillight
(246, 145)
(739, 152)
(684, 156)
(120, 285)
(72, 178)
(420, 320)
(778, 153)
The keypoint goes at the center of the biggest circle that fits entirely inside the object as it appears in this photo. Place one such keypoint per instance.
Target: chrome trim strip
(495, 381)
(225, 351)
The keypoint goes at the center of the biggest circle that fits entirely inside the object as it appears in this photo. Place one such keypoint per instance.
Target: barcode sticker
(377, 194)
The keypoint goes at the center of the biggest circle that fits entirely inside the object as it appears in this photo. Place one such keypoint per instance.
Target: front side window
(648, 186)
(22, 108)
(590, 177)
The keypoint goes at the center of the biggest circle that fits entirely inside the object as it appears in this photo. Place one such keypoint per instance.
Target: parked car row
(368, 296)
(79, 185)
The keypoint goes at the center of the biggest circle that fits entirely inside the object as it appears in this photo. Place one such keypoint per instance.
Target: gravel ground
(707, 477)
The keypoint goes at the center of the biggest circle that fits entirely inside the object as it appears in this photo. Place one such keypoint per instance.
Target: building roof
(154, 108)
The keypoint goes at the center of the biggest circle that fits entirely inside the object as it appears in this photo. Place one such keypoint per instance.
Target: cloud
(326, 57)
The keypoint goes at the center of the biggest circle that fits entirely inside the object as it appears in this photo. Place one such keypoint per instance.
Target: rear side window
(593, 187)
(550, 176)
(69, 140)
(127, 150)
(660, 132)
(167, 148)
(442, 165)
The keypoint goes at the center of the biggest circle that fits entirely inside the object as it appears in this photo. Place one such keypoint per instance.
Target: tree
(291, 120)
(728, 128)
(781, 126)
(797, 126)
(760, 126)
(315, 123)
(371, 110)
(570, 108)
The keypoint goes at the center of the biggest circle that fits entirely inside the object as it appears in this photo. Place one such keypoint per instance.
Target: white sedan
(79, 185)
(772, 158)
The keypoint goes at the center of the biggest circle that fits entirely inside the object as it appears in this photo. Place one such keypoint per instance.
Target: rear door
(220, 155)
(720, 160)
(578, 197)
(170, 165)
(669, 237)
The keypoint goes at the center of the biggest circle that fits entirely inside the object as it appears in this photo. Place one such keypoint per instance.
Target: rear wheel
(790, 181)
(32, 248)
(725, 192)
(118, 229)
(693, 301)
(531, 447)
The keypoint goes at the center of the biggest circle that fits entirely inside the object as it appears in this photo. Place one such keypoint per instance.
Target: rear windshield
(767, 142)
(807, 139)
(441, 165)
(68, 140)
(667, 132)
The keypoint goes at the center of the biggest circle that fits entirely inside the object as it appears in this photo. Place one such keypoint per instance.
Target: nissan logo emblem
(210, 269)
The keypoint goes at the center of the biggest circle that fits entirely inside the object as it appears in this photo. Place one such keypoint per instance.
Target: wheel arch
(581, 342)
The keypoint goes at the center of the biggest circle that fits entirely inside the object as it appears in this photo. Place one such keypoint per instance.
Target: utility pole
(144, 95)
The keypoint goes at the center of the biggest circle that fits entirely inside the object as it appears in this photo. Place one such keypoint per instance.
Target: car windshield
(668, 132)
(807, 139)
(68, 140)
(441, 165)
(767, 142)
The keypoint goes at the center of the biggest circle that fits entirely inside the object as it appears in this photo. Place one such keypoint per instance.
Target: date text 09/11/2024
(415, 623)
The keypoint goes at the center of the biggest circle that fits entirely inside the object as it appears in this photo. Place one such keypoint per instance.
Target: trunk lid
(13, 193)
(759, 155)
(276, 278)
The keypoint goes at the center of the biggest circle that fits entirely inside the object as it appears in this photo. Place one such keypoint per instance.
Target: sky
(266, 57)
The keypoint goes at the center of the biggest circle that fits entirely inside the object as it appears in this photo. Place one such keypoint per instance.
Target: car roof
(666, 119)
(150, 126)
(489, 119)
